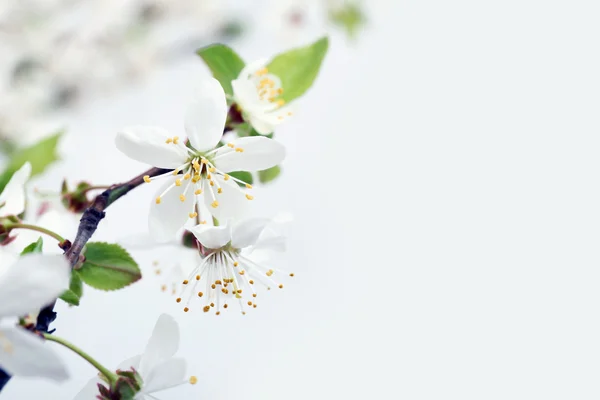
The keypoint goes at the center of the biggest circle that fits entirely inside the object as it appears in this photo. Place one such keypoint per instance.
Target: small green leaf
(108, 266)
(223, 62)
(35, 247)
(243, 176)
(40, 155)
(75, 291)
(269, 175)
(350, 17)
(298, 68)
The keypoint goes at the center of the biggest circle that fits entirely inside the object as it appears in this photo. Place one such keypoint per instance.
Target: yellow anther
(163, 288)
(289, 113)
(185, 309)
(200, 294)
(147, 178)
(212, 169)
(251, 282)
(157, 272)
(193, 214)
(185, 282)
(231, 145)
(249, 186)
(175, 139)
(270, 272)
(197, 277)
(225, 305)
(193, 380)
(262, 71)
(158, 200)
(175, 171)
(235, 263)
(169, 140)
(218, 313)
(280, 91)
(226, 177)
(242, 272)
(239, 149)
(182, 197)
(280, 102)
(220, 190)
(212, 183)
(204, 161)
(214, 204)
(253, 294)
(292, 274)
(212, 304)
(249, 303)
(186, 177)
(202, 222)
(280, 286)
(177, 182)
(198, 192)
(178, 300)
(213, 286)
(249, 197)
(206, 308)
(196, 178)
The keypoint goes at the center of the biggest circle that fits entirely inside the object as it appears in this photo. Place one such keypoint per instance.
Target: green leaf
(243, 176)
(108, 266)
(269, 175)
(75, 291)
(35, 247)
(350, 17)
(40, 155)
(223, 62)
(298, 68)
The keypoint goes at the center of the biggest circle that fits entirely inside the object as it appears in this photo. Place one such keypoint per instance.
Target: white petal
(233, 203)
(148, 145)
(139, 241)
(206, 115)
(33, 282)
(245, 93)
(246, 232)
(275, 243)
(166, 375)
(163, 344)
(90, 390)
(258, 153)
(260, 124)
(23, 353)
(171, 214)
(12, 198)
(212, 237)
(252, 67)
(133, 362)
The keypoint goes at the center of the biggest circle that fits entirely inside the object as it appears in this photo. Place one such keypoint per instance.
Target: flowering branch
(87, 226)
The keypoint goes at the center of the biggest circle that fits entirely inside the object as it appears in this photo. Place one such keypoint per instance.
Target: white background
(443, 175)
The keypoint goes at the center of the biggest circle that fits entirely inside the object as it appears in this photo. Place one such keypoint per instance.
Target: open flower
(230, 271)
(12, 198)
(258, 94)
(157, 367)
(200, 168)
(31, 282)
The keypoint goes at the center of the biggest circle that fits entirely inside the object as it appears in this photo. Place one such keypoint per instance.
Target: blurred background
(441, 174)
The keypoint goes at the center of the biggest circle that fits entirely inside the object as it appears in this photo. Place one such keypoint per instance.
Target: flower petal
(133, 362)
(163, 344)
(274, 243)
(245, 93)
(246, 232)
(166, 375)
(149, 145)
(33, 282)
(23, 353)
(90, 390)
(206, 115)
(12, 198)
(252, 67)
(260, 124)
(258, 153)
(140, 241)
(171, 214)
(233, 203)
(212, 237)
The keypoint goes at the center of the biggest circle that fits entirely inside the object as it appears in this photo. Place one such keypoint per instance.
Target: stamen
(182, 197)
(175, 139)
(249, 197)
(158, 200)
(177, 182)
(147, 178)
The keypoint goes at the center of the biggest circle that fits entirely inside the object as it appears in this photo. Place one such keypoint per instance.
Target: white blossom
(201, 169)
(12, 198)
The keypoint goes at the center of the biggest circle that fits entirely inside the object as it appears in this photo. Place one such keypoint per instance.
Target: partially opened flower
(12, 198)
(26, 285)
(201, 168)
(231, 271)
(258, 95)
(157, 366)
